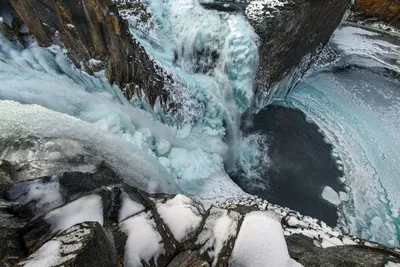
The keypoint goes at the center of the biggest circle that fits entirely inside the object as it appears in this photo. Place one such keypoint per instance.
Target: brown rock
(94, 30)
(385, 10)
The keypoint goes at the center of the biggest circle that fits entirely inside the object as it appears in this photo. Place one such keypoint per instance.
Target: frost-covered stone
(85, 244)
(182, 215)
(218, 235)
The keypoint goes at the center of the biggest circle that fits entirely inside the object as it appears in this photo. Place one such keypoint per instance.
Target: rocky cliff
(289, 30)
(94, 219)
(384, 10)
(96, 38)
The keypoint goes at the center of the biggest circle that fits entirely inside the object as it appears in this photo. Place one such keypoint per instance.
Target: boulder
(95, 37)
(385, 10)
(302, 249)
(85, 244)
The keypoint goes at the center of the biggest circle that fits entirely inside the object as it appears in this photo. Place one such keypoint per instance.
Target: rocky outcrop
(384, 10)
(288, 30)
(102, 222)
(96, 38)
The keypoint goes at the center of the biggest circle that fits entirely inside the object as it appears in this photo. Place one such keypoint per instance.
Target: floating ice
(331, 195)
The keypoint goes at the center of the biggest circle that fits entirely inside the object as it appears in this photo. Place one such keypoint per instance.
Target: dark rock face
(85, 244)
(385, 10)
(94, 30)
(6, 173)
(302, 249)
(290, 32)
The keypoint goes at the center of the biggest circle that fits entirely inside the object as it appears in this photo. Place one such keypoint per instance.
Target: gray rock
(303, 250)
(188, 258)
(6, 174)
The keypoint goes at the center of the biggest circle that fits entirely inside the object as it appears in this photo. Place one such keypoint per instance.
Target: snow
(94, 62)
(144, 242)
(220, 226)
(84, 209)
(181, 215)
(331, 195)
(129, 207)
(260, 242)
(47, 255)
(257, 10)
(392, 264)
(356, 41)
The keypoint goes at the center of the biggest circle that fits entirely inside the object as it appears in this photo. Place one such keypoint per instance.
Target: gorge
(228, 107)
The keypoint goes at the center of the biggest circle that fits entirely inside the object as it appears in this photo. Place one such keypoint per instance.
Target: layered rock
(384, 10)
(96, 38)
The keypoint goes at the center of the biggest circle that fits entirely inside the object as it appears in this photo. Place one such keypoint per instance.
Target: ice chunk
(344, 196)
(144, 242)
(331, 195)
(84, 209)
(260, 242)
(181, 215)
(129, 207)
(162, 147)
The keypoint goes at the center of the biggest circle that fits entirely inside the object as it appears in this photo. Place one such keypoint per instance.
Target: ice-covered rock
(119, 224)
(80, 245)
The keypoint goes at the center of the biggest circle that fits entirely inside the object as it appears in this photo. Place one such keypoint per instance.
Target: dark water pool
(301, 164)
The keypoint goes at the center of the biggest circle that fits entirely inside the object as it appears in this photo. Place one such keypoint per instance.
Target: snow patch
(144, 242)
(129, 207)
(84, 209)
(260, 241)
(47, 255)
(181, 215)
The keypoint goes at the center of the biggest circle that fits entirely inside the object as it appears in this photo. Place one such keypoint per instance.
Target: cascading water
(213, 56)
